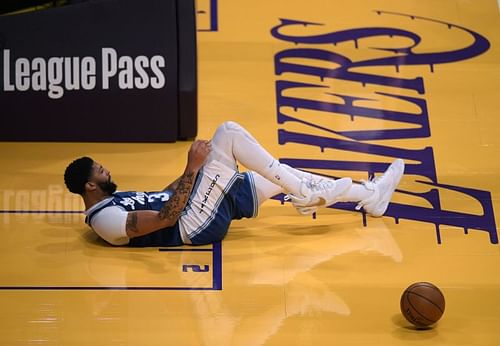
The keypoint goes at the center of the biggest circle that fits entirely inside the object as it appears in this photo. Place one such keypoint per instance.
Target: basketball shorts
(220, 195)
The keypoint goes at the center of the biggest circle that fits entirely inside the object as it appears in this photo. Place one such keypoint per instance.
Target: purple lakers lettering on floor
(420, 162)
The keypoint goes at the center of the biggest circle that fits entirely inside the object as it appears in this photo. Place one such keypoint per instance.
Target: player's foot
(383, 187)
(319, 193)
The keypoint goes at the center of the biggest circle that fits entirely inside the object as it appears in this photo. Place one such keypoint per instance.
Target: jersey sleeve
(109, 224)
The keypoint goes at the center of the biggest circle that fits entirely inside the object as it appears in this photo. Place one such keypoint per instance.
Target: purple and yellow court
(335, 88)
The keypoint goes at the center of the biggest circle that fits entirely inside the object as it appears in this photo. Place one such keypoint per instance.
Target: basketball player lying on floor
(198, 207)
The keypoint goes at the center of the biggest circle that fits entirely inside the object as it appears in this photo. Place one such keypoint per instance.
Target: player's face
(102, 177)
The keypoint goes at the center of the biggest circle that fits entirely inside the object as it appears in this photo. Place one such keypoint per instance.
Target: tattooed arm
(146, 221)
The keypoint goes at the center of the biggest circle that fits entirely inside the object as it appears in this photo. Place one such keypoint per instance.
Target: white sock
(231, 141)
(297, 172)
(356, 193)
(264, 188)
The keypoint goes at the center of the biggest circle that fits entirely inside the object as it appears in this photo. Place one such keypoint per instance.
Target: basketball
(422, 304)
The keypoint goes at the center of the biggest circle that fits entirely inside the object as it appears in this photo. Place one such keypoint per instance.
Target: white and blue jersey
(133, 201)
(219, 195)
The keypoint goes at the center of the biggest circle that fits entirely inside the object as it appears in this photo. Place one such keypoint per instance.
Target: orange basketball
(422, 304)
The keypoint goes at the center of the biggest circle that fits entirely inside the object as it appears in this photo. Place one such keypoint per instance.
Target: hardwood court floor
(285, 279)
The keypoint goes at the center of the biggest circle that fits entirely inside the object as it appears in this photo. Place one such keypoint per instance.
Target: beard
(108, 187)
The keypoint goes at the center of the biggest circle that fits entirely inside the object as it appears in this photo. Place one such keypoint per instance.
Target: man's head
(85, 175)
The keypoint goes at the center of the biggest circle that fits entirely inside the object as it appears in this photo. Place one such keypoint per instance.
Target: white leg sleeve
(265, 189)
(298, 173)
(232, 143)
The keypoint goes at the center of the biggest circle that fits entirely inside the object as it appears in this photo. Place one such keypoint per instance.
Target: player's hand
(198, 154)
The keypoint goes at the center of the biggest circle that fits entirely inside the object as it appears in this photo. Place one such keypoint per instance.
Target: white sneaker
(383, 187)
(320, 193)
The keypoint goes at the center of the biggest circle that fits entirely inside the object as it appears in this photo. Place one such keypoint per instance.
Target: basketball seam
(411, 305)
(430, 301)
(415, 309)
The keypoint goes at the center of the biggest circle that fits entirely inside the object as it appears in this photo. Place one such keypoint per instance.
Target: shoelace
(322, 185)
(315, 186)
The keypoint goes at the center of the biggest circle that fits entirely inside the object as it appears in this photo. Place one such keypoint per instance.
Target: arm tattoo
(132, 222)
(174, 206)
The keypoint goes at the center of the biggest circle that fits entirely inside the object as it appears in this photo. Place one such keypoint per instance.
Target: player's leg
(232, 143)
(222, 148)
(265, 189)
(373, 196)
